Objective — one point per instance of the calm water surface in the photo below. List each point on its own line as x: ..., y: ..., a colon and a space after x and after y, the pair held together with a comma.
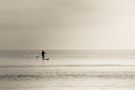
x: 68, y: 78
x: 66, y: 72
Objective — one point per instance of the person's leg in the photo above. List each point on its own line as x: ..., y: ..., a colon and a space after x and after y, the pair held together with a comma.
x: 43, y: 57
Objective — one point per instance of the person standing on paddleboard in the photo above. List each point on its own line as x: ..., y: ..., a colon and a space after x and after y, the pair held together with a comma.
x: 43, y: 55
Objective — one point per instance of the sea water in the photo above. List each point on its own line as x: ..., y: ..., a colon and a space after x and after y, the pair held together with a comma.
x: 24, y: 70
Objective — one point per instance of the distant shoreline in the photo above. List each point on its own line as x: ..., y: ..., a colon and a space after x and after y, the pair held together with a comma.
x: 89, y: 65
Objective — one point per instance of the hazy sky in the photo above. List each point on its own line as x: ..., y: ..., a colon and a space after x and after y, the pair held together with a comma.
x: 67, y: 24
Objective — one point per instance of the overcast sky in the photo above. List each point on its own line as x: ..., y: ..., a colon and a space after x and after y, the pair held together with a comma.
x: 67, y: 24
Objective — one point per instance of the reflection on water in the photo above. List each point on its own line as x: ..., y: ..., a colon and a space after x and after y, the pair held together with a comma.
x: 80, y: 71
x: 68, y: 77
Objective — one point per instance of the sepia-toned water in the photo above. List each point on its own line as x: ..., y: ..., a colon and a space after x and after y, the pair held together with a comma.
x: 66, y: 72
